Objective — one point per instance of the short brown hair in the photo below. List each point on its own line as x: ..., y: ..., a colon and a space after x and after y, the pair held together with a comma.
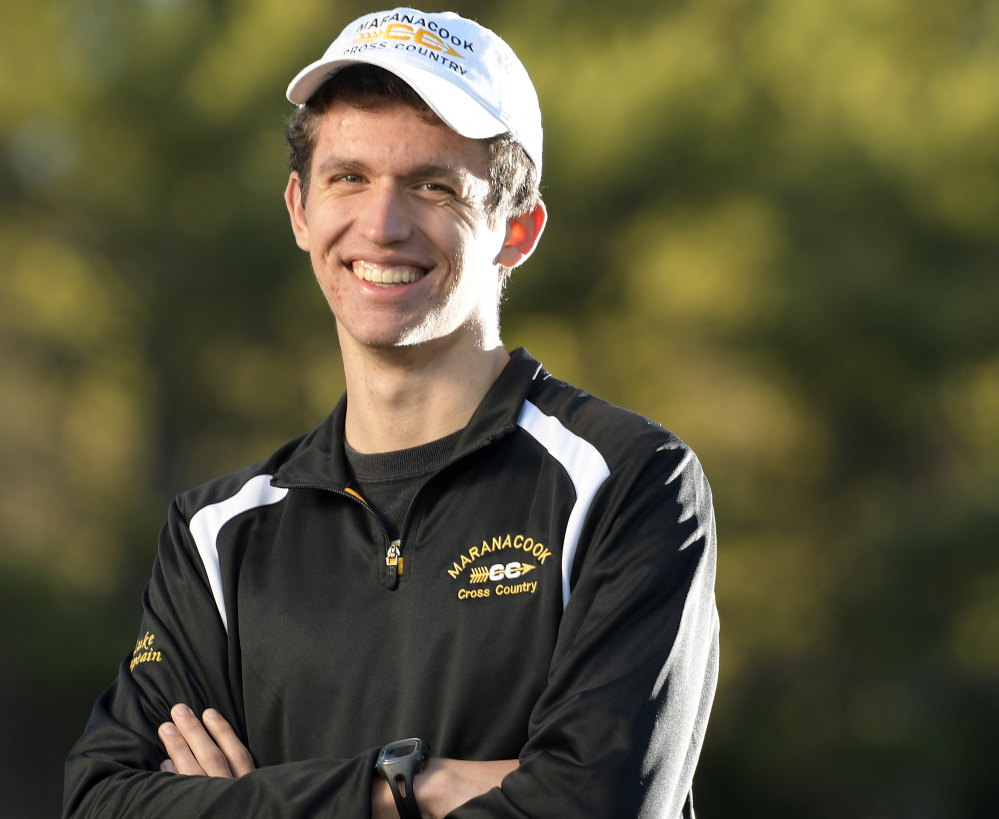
x: 513, y: 179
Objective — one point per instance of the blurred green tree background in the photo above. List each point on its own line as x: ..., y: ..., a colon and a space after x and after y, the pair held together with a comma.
x: 774, y: 229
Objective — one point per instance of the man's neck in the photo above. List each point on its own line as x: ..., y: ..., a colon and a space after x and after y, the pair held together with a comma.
x: 402, y: 398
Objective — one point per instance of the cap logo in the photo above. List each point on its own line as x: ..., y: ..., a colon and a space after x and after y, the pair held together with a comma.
x: 410, y: 32
x: 403, y: 33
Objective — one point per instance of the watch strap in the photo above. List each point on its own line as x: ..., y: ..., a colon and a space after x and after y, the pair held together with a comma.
x: 406, y: 805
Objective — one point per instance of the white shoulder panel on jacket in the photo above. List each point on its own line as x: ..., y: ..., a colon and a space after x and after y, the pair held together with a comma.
x: 586, y: 467
x: 208, y: 522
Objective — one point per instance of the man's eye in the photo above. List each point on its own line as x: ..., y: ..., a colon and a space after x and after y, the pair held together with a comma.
x: 437, y: 187
x: 346, y: 179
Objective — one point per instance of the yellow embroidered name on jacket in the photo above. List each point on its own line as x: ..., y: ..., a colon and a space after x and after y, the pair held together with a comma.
x: 499, y: 543
x: 144, y: 652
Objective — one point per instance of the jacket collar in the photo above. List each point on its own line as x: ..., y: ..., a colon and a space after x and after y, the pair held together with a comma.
x: 319, y: 461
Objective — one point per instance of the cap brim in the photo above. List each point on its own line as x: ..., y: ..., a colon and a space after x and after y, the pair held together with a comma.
x: 459, y: 109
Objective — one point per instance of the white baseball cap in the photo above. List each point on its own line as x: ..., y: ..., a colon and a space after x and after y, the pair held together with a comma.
x: 466, y: 73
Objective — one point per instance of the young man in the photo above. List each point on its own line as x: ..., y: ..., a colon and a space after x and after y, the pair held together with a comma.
x: 468, y: 555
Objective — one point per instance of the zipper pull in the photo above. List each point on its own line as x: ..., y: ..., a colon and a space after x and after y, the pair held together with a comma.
x: 393, y: 563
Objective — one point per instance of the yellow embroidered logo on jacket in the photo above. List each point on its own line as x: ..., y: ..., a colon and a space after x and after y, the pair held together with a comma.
x: 144, y: 652
x: 504, y: 564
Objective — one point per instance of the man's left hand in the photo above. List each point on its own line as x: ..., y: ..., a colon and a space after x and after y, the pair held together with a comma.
x: 198, y: 752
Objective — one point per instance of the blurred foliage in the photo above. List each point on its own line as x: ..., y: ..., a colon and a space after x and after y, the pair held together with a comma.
x: 774, y: 229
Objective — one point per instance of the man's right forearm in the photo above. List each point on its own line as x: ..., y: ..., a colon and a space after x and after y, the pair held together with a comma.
x: 443, y: 785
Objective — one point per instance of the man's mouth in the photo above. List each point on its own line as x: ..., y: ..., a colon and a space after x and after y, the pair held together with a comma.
x: 387, y: 275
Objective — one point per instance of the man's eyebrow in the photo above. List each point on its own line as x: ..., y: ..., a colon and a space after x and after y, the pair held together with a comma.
x: 456, y: 173
x: 334, y: 163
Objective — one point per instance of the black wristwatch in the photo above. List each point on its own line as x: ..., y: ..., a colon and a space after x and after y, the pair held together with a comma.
x: 403, y: 759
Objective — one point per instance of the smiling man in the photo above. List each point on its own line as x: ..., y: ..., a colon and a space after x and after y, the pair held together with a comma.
x: 474, y: 590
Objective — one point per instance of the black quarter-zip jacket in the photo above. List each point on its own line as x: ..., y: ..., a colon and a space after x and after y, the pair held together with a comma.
x: 555, y: 604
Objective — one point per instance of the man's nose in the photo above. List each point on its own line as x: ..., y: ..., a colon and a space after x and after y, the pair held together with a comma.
x: 384, y: 219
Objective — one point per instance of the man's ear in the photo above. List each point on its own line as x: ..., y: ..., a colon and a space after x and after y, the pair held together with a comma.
x: 522, y: 235
x: 296, y: 210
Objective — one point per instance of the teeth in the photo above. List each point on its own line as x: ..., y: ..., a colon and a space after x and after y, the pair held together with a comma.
x: 376, y: 274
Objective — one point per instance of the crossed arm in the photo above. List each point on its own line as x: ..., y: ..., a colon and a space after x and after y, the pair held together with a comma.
x: 211, y: 748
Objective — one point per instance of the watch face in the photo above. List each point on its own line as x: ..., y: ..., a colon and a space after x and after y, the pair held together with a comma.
x: 398, y: 750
